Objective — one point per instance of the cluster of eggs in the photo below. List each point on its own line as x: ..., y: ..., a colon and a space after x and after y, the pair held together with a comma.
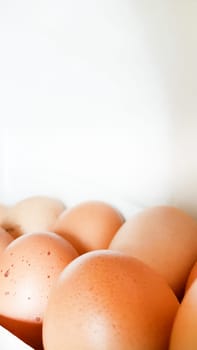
x: 85, y: 278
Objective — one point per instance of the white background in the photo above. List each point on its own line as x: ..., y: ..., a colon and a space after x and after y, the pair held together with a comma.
x: 98, y: 100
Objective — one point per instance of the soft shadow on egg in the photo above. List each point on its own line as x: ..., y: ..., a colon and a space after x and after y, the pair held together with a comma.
x: 192, y: 277
x: 5, y: 239
x: 8, y: 341
x: 184, y: 331
x: 29, y: 332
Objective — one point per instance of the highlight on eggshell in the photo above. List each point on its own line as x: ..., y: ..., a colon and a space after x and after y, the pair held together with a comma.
x: 29, y: 267
x: 32, y: 214
x: 165, y: 238
x: 107, y: 300
x: 184, y: 334
x: 89, y: 225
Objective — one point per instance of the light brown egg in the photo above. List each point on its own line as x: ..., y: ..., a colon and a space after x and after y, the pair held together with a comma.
x: 192, y: 277
x: 5, y: 239
x: 32, y: 214
x: 107, y: 300
x: 165, y: 238
x: 29, y: 267
x: 89, y: 225
x: 3, y: 212
x: 184, y: 334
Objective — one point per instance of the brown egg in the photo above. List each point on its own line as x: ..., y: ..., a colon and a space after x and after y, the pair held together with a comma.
x: 184, y: 335
x: 89, y: 225
x: 192, y: 277
x: 107, y: 300
x: 29, y: 266
x: 5, y: 239
x: 32, y: 214
x: 165, y: 238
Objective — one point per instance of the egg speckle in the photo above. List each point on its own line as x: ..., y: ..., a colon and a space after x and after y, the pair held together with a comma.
x: 6, y: 274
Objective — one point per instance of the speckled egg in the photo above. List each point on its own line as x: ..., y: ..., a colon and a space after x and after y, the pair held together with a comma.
x: 107, y: 300
x: 29, y: 266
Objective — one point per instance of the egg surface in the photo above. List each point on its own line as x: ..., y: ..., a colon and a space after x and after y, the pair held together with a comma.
x: 29, y: 266
x: 89, y: 225
x: 107, y: 300
x: 192, y: 277
x: 184, y: 334
x: 5, y: 239
x: 3, y: 212
x: 165, y: 238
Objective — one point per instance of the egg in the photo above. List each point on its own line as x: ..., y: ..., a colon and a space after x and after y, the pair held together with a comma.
x: 192, y: 277
x: 29, y: 267
x: 163, y: 237
x: 184, y: 335
x: 3, y: 212
x: 107, y: 300
x: 89, y: 225
x: 5, y: 239
x: 32, y: 214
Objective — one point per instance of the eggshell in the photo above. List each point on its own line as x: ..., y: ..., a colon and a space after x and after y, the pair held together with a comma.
x: 107, y: 300
x: 32, y: 214
x: 192, y: 277
x: 29, y: 267
x: 165, y: 238
x: 5, y: 239
x: 89, y: 225
x: 184, y: 334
